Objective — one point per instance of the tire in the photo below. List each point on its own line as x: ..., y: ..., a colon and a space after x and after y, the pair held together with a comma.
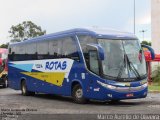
x: 77, y: 94
x: 5, y: 83
x: 24, y: 90
x: 2, y: 67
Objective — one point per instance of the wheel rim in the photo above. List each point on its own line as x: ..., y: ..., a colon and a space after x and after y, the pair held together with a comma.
x: 6, y: 83
x: 79, y: 93
x: 23, y: 89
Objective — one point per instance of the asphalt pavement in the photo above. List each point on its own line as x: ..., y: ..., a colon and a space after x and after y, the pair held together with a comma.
x: 14, y: 106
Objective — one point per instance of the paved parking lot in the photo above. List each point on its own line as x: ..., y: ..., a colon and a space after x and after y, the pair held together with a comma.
x: 14, y: 105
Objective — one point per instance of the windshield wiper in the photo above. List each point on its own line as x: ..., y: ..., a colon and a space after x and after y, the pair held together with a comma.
x: 132, y: 67
x: 122, y: 68
x: 129, y: 65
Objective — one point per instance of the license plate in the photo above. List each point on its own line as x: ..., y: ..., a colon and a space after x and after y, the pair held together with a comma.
x: 130, y: 95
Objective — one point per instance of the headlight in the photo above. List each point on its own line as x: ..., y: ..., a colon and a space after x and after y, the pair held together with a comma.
x: 145, y: 85
x: 123, y: 89
x: 144, y: 81
x: 106, y: 85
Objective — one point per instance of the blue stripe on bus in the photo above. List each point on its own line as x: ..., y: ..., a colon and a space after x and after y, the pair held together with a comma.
x: 25, y: 67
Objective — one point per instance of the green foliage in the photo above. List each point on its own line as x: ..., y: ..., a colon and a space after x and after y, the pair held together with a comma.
x: 146, y: 43
x: 156, y: 76
x: 154, y: 87
x: 15, y: 40
x: 4, y: 45
x: 24, y: 31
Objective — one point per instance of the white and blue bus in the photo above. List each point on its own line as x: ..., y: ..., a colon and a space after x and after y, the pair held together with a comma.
x: 82, y: 63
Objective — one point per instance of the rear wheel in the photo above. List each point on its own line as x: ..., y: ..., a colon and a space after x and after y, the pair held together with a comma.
x: 24, y: 90
x: 77, y: 94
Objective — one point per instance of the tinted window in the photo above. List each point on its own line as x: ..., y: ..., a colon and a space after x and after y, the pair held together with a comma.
x: 55, y: 47
x: 93, y: 60
x: 31, y: 48
x: 84, y: 40
x: 42, y: 47
x: 20, y: 49
x: 23, y: 52
x: 14, y: 49
x: 10, y: 50
x: 69, y: 48
x: 42, y: 50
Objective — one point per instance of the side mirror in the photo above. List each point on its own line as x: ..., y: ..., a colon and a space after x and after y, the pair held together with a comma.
x: 150, y: 49
x: 99, y: 49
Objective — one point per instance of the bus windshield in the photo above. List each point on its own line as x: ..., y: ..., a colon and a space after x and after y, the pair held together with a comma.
x: 124, y: 59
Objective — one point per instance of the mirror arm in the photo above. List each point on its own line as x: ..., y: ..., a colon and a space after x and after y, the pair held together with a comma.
x: 150, y: 49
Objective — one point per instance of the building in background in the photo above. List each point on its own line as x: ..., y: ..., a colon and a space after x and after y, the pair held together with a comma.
x: 155, y: 18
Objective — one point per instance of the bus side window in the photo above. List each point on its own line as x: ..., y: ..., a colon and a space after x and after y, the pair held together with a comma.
x: 55, y: 48
x: 19, y: 51
x: 42, y: 50
x: 69, y: 49
x: 31, y: 49
x: 10, y: 50
x: 11, y: 56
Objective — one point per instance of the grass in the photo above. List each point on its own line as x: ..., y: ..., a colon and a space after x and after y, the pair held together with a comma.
x: 156, y: 75
x: 154, y: 88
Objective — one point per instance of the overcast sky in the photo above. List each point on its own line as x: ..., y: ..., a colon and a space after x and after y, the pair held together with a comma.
x: 58, y: 15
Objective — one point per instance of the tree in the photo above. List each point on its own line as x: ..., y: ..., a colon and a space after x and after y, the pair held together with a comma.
x: 146, y: 43
x: 4, y: 45
x: 24, y: 31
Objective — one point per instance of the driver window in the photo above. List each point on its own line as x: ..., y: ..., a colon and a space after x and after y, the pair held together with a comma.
x: 93, y: 61
x: 84, y: 40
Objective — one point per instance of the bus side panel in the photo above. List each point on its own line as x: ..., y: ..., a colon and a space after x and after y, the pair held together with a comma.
x: 65, y: 88
x: 79, y: 75
x: 35, y: 82
x: 75, y: 74
x: 13, y: 77
x: 94, y: 91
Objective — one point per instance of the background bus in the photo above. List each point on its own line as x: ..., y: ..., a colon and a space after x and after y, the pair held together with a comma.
x: 3, y: 67
x: 82, y: 63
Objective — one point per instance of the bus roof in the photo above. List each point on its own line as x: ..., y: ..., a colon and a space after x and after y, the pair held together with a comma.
x: 98, y: 33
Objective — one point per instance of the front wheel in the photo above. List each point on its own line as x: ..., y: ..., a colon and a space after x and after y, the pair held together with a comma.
x: 77, y: 94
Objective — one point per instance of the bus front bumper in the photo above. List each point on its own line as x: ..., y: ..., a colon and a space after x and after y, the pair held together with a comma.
x: 109, y: 92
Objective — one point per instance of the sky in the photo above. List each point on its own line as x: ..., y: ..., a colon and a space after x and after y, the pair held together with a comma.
x: 59, y: 15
